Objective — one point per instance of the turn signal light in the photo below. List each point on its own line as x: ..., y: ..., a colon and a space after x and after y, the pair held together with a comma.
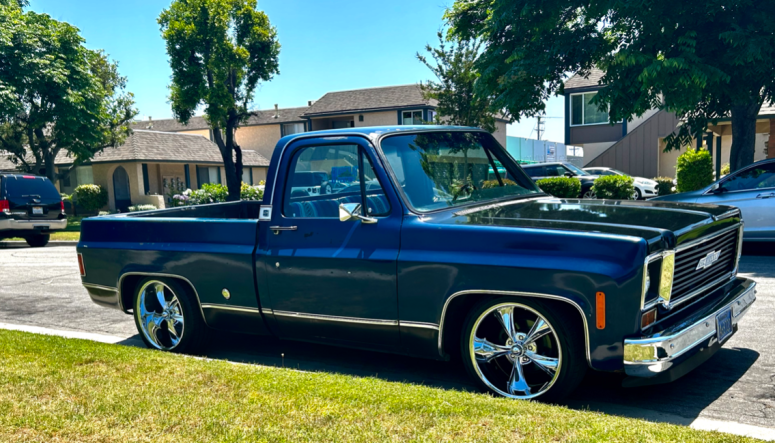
x: 600, y: 310
x: 81, y: 268
x: 648, y: 318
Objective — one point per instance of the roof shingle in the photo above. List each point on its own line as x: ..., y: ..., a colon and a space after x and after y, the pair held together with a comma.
x: 357, y: 100
x: 577, y: 81
x: 266, y: 117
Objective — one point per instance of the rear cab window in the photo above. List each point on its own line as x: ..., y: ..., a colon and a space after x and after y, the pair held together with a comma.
x: 30, y: 186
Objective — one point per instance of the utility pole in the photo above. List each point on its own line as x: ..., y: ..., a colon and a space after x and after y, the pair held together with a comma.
x: 539, y: 127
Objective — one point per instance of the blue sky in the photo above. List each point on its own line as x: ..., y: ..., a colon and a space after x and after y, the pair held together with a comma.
x: 327, y: 45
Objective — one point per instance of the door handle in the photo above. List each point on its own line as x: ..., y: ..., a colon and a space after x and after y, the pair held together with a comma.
x: 276, y: 229
x: 771, y: 194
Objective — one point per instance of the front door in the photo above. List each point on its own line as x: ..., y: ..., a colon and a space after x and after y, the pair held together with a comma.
x: 331, y: 280
x: 121, y: 189
x: 753, y: 191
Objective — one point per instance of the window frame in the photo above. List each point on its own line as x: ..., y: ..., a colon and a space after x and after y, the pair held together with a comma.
x: 361, y: 151
x: 570, y: 111
x: 283, y: 132
x: 412, y: 111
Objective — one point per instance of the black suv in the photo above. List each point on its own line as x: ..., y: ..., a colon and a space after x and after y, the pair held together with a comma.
x: 30, y: 208
x: 560, y: 169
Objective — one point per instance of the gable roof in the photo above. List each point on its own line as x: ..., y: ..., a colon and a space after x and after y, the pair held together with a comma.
x: 369, y: 99
x: 266, y: 117
x: 577, y: 81
x: 157, y: 146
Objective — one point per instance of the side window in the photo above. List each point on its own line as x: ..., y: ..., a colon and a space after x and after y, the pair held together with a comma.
x: 758, y: 177
x: 555, y: 171
x: 537, y: 171
x: 320, y: 178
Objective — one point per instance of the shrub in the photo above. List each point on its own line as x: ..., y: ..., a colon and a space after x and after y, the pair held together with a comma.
x: 725, y: 169
x: 139, y: 208
x: 561, y: 187
x: 664, y: 185
x: 694, y: 170
x: 616, y: 187
x: 248, y: 192
x: 489, y: 184
x: 90, y: 197
x: 101, y: 213
x: 208, y: 193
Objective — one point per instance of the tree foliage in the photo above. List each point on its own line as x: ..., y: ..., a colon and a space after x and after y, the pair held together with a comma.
x: 454, y: 90
x: 219, y: 51
x: 56, y: 95
x: 703, y: 60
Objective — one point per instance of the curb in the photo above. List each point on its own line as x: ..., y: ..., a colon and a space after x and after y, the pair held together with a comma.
x: 51, y: 243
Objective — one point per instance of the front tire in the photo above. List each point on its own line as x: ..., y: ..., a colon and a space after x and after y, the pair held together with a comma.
x: 589, y: 193
x: 167, y: 316
x: 521, y: 349
x: 636, y: 195
x: 38, y: 241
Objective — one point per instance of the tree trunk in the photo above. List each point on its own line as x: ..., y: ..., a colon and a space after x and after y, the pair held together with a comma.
x: 233, y: 181
x: 743, y: 135
x: 49, y: 158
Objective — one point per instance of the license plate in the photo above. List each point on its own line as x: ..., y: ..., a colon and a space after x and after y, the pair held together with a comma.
x: 724, y: 324
x: 37, y: 210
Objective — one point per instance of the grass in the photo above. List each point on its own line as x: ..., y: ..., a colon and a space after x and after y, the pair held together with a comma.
x: 72, y: 232
x: 56, y: 389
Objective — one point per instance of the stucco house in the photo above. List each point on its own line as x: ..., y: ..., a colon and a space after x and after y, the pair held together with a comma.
x: 390, y: 105
x: 636, y: 145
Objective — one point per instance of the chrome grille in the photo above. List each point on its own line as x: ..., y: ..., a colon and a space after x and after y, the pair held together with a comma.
x: 688, y: 278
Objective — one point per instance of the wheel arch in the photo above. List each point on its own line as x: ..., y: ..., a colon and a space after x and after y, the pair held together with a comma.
x: 128, y: 281
x: 458, y: 305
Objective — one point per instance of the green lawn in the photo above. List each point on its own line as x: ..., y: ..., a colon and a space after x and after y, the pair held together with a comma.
x: 56, y: 389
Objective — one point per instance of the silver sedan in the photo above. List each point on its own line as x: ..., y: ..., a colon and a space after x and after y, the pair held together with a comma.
x: 752, y: 189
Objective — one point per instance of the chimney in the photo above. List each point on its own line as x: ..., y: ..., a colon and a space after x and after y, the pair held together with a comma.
x: 276, y: 112
x: 150, y: 123
x: 310, y: 102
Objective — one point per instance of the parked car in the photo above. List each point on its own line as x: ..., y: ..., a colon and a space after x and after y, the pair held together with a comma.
x: 561, y: 169
x: 752, y: 189
x: 529, y: 291
x: 644, y: 187
x: 30, y: 208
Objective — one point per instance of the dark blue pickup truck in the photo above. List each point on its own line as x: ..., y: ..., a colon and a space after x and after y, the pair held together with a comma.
x: 431, y: 241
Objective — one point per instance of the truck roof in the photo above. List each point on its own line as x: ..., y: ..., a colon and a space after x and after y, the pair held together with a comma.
x: 375, y: 131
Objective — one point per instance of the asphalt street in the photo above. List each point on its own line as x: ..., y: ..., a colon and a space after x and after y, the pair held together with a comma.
x: 41, y: 287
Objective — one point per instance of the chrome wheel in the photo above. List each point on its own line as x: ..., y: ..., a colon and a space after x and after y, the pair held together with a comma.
x: 590, y: 194
x: 160, y: 315
x: 515, y: 351
x: 636, y: 194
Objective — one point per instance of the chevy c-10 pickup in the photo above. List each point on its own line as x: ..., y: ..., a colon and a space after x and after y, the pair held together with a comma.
x: 431, y: 241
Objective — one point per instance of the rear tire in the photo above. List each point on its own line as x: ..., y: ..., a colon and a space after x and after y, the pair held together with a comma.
x: 38, y: 241
x: 544, y: 360
x: 168, y: 317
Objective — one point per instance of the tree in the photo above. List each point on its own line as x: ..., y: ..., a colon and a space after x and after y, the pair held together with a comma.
x: 219, y: 51
x: 454, y: 90
x: 703, y: 60
x: 55, y: 94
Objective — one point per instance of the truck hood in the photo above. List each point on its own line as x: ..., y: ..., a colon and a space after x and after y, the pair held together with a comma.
x: 648, y: 220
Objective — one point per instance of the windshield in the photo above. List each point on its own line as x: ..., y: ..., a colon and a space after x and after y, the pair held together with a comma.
x: 576, y: 170
x: 439, y: 170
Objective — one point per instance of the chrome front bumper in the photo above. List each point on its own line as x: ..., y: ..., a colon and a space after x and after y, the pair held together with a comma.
x: 653, y: 355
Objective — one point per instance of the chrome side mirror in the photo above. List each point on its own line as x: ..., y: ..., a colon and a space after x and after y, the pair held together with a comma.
x: 352, y: 211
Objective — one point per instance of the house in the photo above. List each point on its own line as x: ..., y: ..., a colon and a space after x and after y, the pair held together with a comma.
x: 636, y: 145
x: 391, y: 105
x: 149, y: 165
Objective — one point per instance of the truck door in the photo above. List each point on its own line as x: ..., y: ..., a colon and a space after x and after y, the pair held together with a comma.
x: 328, y: 279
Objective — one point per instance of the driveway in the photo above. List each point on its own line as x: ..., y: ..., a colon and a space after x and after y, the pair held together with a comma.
x: 41, y: 287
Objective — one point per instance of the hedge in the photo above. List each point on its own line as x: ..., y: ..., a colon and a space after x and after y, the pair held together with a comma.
x: 561, y: 187
x: 664, y: 185
x: 694, y: 170
x: 616, y: 187
x: 90, y: 197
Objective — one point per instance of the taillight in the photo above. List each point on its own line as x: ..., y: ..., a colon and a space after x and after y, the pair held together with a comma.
x: 62, y: 207
x: 5, y: 206
x: 80, y: 265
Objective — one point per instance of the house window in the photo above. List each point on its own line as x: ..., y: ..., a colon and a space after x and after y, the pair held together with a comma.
x: 585, y: 113
x: 432, y: 116
x: 411, y: 118
x: 247, y: 175
x: 208, y: 174
x: 292, y: 128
